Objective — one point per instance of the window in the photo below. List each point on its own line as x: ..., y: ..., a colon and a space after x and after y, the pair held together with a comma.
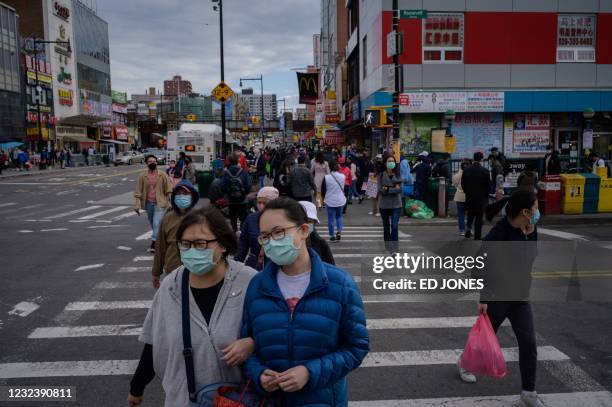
x: 443, y: 38
x: 364, y: 51
x: 576, y: 38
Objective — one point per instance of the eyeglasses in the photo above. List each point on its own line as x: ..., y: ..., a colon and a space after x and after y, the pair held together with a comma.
x: 199, y: 244
x: 276, y: 234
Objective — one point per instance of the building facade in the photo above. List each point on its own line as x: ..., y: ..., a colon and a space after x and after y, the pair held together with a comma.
x: 11, y: 91
x: 177, y: 86
x: 253, y: 103
x: 519, y: 75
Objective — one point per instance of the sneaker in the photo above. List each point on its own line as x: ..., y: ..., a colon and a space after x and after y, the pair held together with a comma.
x: 332, y: 239
x: 377, y: 214
x: 462, y: 233
x: 370, y: 213
x: 468, y: 234
x: 152, y: 248
x: 360, y: 199
x: 464, y: 374
x: 338, y: 236
x: 530, y: 399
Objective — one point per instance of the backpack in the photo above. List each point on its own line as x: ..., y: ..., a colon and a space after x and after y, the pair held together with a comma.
x: 235, y: 191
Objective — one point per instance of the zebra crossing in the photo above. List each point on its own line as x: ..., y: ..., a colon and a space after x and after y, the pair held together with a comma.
x: 66, y: 214
x: 410, y: 342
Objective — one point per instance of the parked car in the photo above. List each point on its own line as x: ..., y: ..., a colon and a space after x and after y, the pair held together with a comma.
x: 158, y: 153
x: 129, y: 158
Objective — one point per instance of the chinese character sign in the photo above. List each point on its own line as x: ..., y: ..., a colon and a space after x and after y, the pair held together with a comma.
x: 443, y: 30
x: 531, y: 133
x: 576, y: 31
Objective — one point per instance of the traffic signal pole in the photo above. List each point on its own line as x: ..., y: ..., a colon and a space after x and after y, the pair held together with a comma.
x: 397, y: 67
x: 223, y: 141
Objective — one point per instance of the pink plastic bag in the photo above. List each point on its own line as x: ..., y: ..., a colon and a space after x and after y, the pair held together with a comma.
x: 482, y: 354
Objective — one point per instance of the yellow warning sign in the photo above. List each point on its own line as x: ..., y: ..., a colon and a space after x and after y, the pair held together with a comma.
x: 222, y: 92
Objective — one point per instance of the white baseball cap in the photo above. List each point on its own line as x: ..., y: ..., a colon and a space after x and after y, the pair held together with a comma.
x: 311, y: 210
x: 424, y: 154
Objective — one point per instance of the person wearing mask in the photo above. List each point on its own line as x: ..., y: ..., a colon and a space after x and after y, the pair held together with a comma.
x: 405, y: 172
x: 390, y: 203
x: 315, y: 241
x: 353, y: 192
x: 552, y: 164
x: 179, y: 167
x: 167, y: 259
x: 460, y: 196
x: 301, y: 181
x: 320, y: 168
x: 422, y: 172
x: 214, y: 286
x: 507, y: 282
x: 189, y: 172
x: 236, y: 185
x: 152, y: 193
x: 249, y: 247
x: 346, y: 171
x: 499, y: 156
x: 596, y: 162
x: 260, y: 168
x: 372, y: 184
x: 528, y: 178
x: 476, y: 183
x: 281, y: 178
x: 305, y: 316
x: 332, y: 190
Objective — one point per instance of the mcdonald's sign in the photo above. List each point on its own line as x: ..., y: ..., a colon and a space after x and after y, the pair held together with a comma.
x: 308, y: 85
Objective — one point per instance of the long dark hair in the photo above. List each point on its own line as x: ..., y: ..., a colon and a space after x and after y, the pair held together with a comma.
x: 293, y: 210
x: 217, y: 223
x: 320, y: 158
x: 514, y: 204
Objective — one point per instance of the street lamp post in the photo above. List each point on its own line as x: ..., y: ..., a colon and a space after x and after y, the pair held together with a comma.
x: 285, y: 123
x: 261, y: 122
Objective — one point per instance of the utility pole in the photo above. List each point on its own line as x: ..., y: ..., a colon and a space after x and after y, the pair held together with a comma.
x: 397, y: 72
x: 223, y: 141
x: 263, y: 116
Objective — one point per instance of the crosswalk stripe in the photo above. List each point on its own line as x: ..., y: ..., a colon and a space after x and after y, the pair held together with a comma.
x: 588, y: 398
x: 562, y: 235
x: 74, y: 212
x: 143, y: 258
x: 133, y: 269
x: 13, y: 210
x: 56, y: 332
x: 145, y: 236
x: 123, y: 216
x: 68, y: 368
x: 350, y: 239
x: 423, y: 323
x: 7, y: 204
x: 106, y: 212
x: 111, y: 285
x: 366, y: 255
x: 448, y: 357
x: 107, y: 305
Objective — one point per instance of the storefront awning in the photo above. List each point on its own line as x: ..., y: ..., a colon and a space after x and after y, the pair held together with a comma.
x: 113, y: 141
x: 79, y: 139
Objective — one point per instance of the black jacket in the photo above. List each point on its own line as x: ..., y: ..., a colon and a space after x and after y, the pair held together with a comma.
x: 319, y: 245
x: 553, y: 164
x: 441, y: 169
x: 476, y: 183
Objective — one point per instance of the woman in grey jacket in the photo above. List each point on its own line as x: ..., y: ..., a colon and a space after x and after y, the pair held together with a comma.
x: 390, y: 202
x: 216, y: 296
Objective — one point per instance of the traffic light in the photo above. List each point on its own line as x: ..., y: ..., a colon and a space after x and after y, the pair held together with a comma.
x: 375, y: 118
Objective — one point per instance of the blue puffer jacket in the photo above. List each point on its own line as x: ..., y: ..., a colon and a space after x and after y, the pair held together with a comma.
x: 327, y: 333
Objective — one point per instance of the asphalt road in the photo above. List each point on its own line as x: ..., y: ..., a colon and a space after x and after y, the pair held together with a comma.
x: 77, y: 289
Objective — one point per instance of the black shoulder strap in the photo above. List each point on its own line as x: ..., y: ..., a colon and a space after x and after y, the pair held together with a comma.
x: 187, y: 349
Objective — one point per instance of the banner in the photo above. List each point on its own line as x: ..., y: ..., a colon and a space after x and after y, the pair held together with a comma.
x: 308, y: 86
x: 476, y: 132
x: 531, y: 133
x: 431, y: 102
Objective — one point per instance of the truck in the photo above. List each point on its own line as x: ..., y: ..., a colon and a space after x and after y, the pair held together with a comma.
x: 200, y: 141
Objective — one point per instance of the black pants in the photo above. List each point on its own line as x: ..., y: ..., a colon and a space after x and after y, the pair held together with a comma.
x: 303, y: 198
x: 346, y: 195
x: 236, y: 212
x: 521, y: 318
x: 475, y: 219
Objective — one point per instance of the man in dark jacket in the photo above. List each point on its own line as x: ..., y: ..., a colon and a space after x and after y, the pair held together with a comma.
x: 301, y: 181
x: 260, y: 167
x: 422, y: 172
x: 442, y: 167
x: 499, y: 156
x: 236, y: 185
x: 552, y: 164
x: 476, y: 183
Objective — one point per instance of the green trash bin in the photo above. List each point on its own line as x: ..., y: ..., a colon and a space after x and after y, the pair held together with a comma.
x: 204, y: 179
x: 431, y: 197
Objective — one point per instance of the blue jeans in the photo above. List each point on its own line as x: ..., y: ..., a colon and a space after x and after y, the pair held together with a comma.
x: 461, y: 216
x: 353, y: 190
x: 261, y: 179
x: 390, y: 219
x: 334, y: 214
x: 155, y: 216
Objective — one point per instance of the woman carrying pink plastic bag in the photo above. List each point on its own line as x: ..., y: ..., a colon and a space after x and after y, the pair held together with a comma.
x: 507, y: 283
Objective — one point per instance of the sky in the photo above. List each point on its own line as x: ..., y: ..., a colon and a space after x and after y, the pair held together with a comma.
x: 152, y: 40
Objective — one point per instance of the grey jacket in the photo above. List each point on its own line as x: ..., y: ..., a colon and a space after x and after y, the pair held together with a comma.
x: 162, y: 329
x: 301, y: 181
x: 391, y: 199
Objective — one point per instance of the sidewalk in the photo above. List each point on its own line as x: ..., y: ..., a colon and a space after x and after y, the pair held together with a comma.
x: 13, y: 173
x: 357, y: 215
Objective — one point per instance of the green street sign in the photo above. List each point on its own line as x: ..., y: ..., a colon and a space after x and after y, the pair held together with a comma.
x: 413, y: 13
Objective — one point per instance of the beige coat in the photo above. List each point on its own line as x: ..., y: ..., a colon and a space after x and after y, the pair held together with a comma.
x: 163, y: 190
x: 459, y: 194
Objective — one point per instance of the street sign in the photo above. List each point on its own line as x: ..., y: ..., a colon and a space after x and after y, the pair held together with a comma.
x: 413, y: 14
x: 393, y: 46
x: 222, y: 92
x: 191, y: 117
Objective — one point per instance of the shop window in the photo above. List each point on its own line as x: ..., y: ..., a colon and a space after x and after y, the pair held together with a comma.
x: 576, y: 38
x: 443, y: 38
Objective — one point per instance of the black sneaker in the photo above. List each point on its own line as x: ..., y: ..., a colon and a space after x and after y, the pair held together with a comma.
x: 338, y: 237
x: 468, y: 234
x: 332, y: 239
x: 152, y: 248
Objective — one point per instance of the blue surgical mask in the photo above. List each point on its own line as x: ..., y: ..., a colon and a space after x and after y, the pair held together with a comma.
x: 391, y: 165
x: 198, y: 262
x: 183, y: 201
x: 283, y: 251
x: 535, y: 218
x: 310, y: 228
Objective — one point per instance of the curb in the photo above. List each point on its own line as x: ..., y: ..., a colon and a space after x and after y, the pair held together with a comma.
x: 47, y: 172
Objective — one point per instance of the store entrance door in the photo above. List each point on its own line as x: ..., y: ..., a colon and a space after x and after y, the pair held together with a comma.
x: 567, y: 140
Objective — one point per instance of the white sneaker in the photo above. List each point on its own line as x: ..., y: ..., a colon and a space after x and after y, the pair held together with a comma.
x: 370, y: 213
x: 530, y: 399
x: 464, y: 374
x: 377, y: 214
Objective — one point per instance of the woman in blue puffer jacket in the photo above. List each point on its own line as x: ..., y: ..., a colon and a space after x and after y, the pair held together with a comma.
x: 305, y: 316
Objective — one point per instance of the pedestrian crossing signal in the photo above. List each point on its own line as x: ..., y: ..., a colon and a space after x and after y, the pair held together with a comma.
x: 375, y: 118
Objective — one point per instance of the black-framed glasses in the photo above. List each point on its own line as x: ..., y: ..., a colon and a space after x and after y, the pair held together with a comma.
x: 200, y: 244
x: 276, y: 234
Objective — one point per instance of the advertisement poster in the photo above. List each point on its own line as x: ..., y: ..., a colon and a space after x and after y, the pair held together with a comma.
x: 531, y: 133
x: 427, y: 102
x: 415, y: 132
x: 508, y: 133
x: 477, y: 132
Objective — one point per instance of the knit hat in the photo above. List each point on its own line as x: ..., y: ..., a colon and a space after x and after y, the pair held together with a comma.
x: 268, y: 193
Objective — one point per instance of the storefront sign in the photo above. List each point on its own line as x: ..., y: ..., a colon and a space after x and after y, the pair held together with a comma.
x: 65, y: 97
x: 334, y: 137
x: 430, y: 102
x: 121, y: 133
x: 36, y: 134
x: 576, y: 31
x: 41, y: 77
x: 508, y: 133
x: 70, y: 131
x: 61, y: 11
x: 120, y: 108
x: 64, y: 77
x: 531, y: 133
x: 476, y: 132
x: 119, y: 97
x: 587, y: 139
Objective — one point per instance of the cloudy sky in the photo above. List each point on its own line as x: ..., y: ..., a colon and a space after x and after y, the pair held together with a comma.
x: 151, y: 40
